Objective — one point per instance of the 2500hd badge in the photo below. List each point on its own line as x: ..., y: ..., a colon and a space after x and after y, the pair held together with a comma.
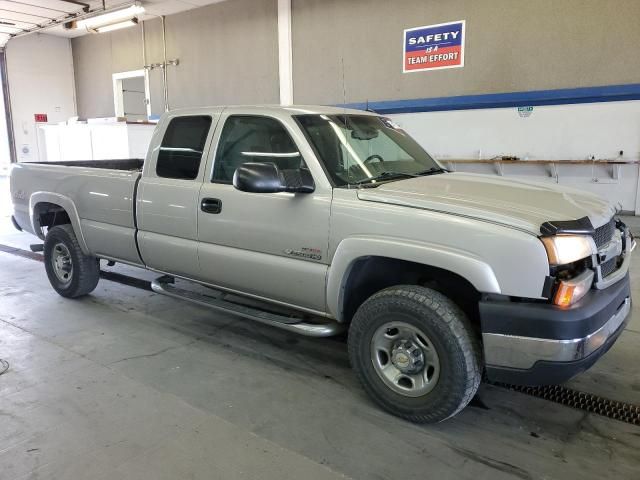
x: 304, y: 252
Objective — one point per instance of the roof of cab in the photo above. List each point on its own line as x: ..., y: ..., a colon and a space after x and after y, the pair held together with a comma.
x: 275, y: 110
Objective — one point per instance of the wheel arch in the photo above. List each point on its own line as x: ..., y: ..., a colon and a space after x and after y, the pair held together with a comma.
x: 41, y: 204
x: 355, y: 275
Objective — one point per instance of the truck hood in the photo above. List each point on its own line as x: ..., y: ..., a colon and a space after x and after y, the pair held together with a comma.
x: 514, y: 203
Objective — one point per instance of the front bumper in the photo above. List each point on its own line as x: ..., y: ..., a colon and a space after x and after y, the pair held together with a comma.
x: 538, y: 343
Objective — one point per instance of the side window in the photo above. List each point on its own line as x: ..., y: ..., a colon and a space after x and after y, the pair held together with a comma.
x: 246, y: 138
x: 182, y: 146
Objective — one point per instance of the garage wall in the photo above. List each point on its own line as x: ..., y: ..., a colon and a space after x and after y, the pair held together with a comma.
x: 95, y: 59
x: 550, y: 132
x: 511, y: 45
x: 43, y: 64
x: 228, y: 54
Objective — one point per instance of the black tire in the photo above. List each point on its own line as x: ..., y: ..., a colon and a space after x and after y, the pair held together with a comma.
x: 84, y: 269
x: 448, y: 331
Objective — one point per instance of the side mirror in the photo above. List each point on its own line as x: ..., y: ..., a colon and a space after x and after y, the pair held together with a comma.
x: 268, y: 178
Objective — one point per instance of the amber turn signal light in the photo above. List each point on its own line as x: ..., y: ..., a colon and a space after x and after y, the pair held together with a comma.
x: 570, y: 291
x: 564, y: 295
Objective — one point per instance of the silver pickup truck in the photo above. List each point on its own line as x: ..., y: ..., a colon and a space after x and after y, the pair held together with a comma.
x: 318, y: 219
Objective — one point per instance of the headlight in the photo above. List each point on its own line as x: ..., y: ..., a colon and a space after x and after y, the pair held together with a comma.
x: 563, y: 249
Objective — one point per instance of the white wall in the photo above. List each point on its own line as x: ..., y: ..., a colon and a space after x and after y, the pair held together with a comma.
x: 562, y: 132
x: 40, y: 71
x: 557, y: 132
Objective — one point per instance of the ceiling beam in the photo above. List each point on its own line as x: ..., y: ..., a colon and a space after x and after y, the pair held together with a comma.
x: 36, y: 6
x: 6, y: 20
x: 28, y: 14
x: 85, y: 6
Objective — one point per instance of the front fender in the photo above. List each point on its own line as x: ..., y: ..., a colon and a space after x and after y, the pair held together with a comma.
x: 462, y: 263
x: 64, y: 202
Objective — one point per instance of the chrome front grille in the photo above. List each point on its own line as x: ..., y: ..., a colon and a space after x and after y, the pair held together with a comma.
x: 609, y: 248
x: 603, y: 234
x: 608, y: 267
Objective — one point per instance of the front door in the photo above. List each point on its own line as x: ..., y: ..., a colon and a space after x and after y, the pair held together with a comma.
x: 266, y: 245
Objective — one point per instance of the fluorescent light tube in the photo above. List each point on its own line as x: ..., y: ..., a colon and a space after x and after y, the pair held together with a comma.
x: 116, y: 26
x: 110, y: 18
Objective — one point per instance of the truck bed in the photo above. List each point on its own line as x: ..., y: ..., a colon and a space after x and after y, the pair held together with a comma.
x: 97, y: 195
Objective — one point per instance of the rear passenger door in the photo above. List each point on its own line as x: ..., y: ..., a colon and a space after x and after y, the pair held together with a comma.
x: 271, y: 245
x: 167, y: 200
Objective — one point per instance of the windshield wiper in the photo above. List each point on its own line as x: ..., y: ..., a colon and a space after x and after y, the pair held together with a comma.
x: 431, y: 171
x: 385, y: 176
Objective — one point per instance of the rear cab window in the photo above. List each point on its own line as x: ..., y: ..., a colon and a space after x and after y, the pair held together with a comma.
x: 182, y: 147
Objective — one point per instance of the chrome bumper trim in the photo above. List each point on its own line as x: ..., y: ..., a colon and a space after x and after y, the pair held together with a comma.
x: 513, y: 351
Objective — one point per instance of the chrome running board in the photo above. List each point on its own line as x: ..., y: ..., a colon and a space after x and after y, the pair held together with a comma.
x: 164, y: 285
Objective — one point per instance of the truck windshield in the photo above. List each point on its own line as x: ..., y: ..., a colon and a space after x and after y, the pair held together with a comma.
x: 365, y: 149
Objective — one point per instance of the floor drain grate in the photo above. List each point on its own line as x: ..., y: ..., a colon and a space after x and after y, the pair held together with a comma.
x: 624, y: 412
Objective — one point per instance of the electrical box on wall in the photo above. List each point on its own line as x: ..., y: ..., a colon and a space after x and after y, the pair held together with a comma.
x: 24, y: 152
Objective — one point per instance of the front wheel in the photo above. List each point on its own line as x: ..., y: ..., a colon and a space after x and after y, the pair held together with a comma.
x: 71, y: 272
x: 415, y: 353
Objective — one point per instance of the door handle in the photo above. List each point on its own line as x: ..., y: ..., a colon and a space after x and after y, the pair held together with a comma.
x: 211, y: 205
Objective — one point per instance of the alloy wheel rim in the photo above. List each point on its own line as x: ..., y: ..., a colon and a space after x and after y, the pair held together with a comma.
x: 405, y: 359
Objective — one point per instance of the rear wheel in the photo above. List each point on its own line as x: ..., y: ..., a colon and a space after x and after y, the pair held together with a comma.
x: 415, y: 353
x: 71, y: 272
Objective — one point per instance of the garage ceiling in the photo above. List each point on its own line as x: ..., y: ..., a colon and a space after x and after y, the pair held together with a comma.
x: 18, y: 17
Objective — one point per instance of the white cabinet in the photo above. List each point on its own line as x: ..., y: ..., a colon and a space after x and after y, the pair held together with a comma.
x: 107, y: 141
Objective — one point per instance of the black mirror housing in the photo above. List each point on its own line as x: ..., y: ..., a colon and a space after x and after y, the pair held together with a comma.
x: 298, y: 180
x: 257, y: 177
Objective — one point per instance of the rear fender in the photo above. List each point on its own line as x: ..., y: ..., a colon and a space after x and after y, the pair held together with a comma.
x: 62, y: 201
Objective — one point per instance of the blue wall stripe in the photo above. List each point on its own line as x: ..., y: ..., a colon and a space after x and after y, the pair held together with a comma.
x: 564, y: 96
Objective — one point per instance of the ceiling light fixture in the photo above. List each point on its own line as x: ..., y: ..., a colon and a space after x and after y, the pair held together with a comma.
x: 115, y: 20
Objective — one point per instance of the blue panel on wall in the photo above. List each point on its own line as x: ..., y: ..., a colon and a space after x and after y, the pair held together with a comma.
x: 609, y: 93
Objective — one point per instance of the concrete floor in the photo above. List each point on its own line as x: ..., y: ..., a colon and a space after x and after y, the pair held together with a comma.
x: 127, y: 384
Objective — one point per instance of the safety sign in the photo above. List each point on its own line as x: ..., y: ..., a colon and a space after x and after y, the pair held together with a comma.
x: 433, y: 47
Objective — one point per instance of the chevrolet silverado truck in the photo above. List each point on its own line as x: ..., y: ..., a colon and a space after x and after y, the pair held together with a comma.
x: 320, y: 219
